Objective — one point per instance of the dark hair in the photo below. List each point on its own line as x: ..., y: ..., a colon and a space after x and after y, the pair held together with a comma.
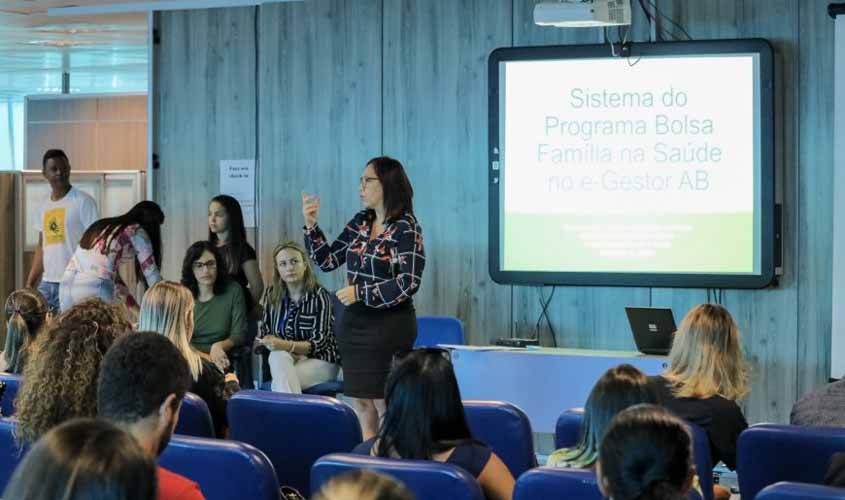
x: 60, y: 381
x: 236, y: 246
x: 364, y: 484
x: 53, y: 154
x: 646, y: 454
x: 137, y: 374
x: 26, y: 314
x: 397, y: 191
x: 193, y: 253
x: 85, y: 459
x: 147, y: 214
x: 618, y: 388
x: 424, y: 413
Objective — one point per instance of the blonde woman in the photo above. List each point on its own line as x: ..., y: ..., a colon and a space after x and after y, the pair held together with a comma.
x: 27, y: 312
x: 364, y: 484
x: 297, y: 326
x: 707, y: 374
x: 168, y: 309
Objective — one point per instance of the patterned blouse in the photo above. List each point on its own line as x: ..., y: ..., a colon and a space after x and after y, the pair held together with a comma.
x: 386, y: 270
x: 103, y: 262
x: 309, y: 320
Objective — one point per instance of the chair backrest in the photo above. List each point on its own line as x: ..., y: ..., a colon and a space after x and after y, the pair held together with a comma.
x: 504, y: 428
x: 10, y: 454
x: 223, y: 469
x: 433, y: 330
x: 548, y: 482
x: 7, y: 403
x: 194, y: 418
x: 568, y: 431
x: 294, y: 430
x: 769, y: 453
x: 800, y: 491
x: 425, y: 478
x: 568, y: 428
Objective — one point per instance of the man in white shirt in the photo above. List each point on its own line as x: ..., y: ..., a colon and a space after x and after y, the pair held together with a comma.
x: 62, y: 219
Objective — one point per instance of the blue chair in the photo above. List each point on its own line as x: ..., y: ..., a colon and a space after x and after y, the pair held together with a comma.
x: 294, y: 430
x: 799, y: 491
x: 548, y: 482
x: 504, y: 428
x: 223, y: 469
x: 7, y: 404
x: 10, y: 454
x: 194, y: 418
x: 568, y: 432
x: 425, y: 478
x: 770, y: 453
x: 434, y: 330
x: 568, y: 428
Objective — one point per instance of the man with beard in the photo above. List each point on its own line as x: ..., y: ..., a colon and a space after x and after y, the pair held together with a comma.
x: 143, y: 378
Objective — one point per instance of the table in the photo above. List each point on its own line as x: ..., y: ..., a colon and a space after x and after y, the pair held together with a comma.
x: 543, y: 382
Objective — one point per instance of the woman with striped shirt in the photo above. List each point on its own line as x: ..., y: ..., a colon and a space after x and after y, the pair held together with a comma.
x: 297, y: 326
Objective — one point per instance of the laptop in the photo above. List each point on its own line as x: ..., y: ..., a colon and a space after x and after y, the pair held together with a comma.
x: 653, y: 329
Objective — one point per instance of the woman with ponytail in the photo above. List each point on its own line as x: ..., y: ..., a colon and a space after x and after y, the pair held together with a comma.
x: 26, y: 314
x: 646, y: 454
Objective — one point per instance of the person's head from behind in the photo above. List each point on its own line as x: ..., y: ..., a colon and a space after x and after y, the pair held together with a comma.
x: 706, y: 357
x: 204, y: 266
x: 384, y: 184
x: 26, y: 314
x: 142, y: 381
x: 84, y: 459
x: 168, y: 309
x: 291, y: 268
x: 617, y: 389
x: 60, y: 380
x: 646, y: 454
x: 55, y: 167
x: 364, y: 484
x: 424, y: 413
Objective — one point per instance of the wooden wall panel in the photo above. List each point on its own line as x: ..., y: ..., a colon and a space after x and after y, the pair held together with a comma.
x: 408, y: 78
x: 8, y: 214
x: 815, y: 193
x: 204, y: 102
x: 320, y: 118
x: 122, y: 146
x: 435, y: 122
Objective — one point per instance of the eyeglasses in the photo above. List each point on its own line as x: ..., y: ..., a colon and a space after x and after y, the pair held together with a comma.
x: 399, y: 356
x: 365, y: 181
x: 211, y: 264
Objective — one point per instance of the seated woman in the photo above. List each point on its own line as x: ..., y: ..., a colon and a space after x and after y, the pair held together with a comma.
x: 93, y: 269
x: 85, y: 459
x: 219, y: 312
x: 646, y: 455
x: 707, y: 374
x: 425, y: 420
x: 298, y: 324
x: 27, y: 312
x: 60, y: 381
x: 168, y: 308
x: 617, y: 389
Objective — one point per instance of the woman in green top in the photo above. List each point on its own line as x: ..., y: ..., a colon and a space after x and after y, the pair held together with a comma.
x: 219, y: 308
x: 617, y: 389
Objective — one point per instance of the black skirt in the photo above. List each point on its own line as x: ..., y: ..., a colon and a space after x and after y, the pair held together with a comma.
x: 367, y: 338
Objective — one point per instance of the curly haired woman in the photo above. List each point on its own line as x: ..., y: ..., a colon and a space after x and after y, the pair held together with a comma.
x: 61, y: 381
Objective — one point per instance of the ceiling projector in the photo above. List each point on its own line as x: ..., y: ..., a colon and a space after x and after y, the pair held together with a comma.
x: 583, y: 13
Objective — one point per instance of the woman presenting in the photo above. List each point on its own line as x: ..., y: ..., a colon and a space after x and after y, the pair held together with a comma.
x: 382, y: 247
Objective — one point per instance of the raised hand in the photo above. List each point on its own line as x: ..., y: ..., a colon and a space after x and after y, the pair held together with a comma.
x: 310, y: 209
